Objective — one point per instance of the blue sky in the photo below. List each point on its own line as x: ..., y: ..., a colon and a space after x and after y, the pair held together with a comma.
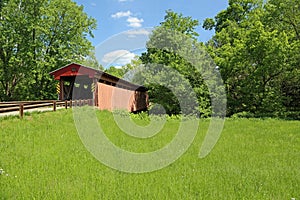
x: 124, y: 25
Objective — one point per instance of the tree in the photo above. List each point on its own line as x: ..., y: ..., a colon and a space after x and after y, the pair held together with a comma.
x: 284, y: 16
x: 126, y: 70
x: 91, y: 61
x: 36, y: 37
x: 255, y: 53
x: 175, y: 66
x: 118, y: 72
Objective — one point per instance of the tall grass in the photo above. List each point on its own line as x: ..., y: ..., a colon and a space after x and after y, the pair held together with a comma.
x: 42, y: 157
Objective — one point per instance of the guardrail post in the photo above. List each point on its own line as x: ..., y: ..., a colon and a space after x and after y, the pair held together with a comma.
x: 66, y: 104
x: 54, y: 105
x: 21, y: 110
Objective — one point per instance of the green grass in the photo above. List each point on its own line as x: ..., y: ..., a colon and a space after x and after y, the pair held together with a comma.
x: 44, y: 158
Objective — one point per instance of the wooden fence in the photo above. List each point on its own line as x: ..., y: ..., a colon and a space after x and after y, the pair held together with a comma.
x: 21, y: 106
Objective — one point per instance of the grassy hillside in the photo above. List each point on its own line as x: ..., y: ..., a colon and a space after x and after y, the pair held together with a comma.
x: 43, y: 158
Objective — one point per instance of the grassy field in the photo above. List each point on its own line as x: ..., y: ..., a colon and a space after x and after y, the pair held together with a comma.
x: 42, y: 157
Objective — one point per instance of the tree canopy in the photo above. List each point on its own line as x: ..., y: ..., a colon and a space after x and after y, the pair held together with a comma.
x: 256, y: 46
x: 36, y: 37
x: 176, y: 69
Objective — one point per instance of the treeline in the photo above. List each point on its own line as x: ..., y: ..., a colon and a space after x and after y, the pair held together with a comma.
x: 255, y: 48
x: 36, y: 37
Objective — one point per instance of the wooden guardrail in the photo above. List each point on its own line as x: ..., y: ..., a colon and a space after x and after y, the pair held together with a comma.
x: 21, y: 106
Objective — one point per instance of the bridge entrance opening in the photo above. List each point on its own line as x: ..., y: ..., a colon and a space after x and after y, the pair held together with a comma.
x: 77, y: 87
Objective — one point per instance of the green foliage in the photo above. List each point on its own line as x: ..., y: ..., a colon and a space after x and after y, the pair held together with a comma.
x: 176, y: 69
x: 243, y: 114
x: 118, y: 72
x: 125, y: 70
x: 43, y: 157
x: 256, y: 46
x: 178, y: 23
x: 37, y: 37
x: 208, y: 24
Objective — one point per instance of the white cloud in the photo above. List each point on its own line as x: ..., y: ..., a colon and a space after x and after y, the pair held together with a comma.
x: 124, y: 0
x: 118, y: 57
x: 138, y: 32
x: 121, y: 14
x: 134, y: 22
x: 93, y: 4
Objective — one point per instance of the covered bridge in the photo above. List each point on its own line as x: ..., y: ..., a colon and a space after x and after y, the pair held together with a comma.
x: 107, y: 92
